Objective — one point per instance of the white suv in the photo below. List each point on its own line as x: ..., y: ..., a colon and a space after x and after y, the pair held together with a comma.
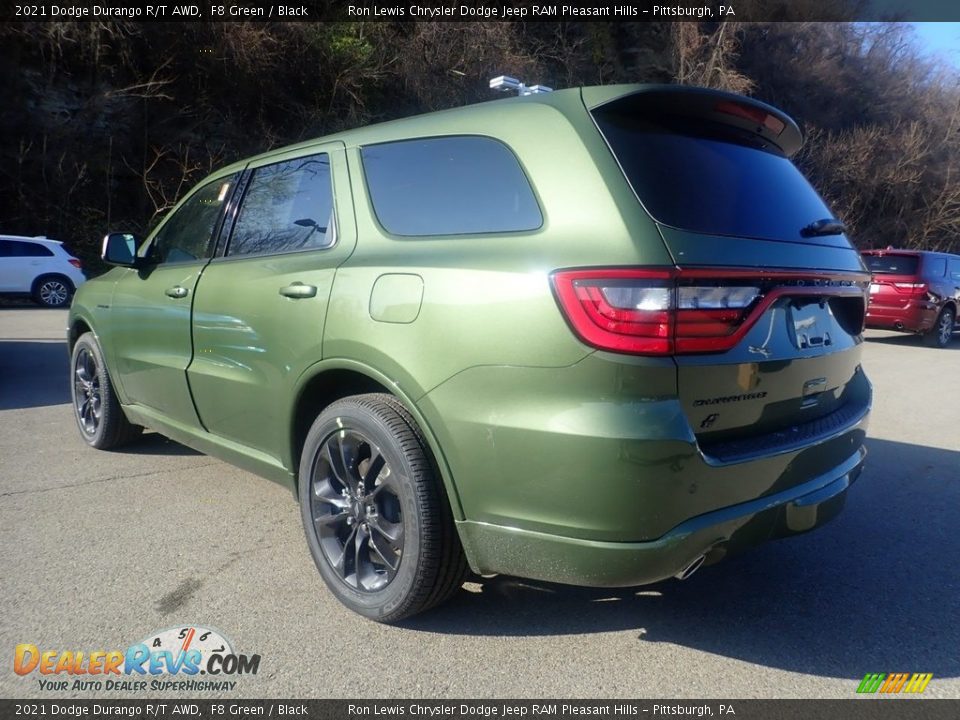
x: 39, y: 267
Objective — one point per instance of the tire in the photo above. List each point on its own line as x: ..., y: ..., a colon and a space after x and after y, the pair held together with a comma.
x: 95, y: 405
x: 941, y: 333
x: 52, y: 291
x: 374, y: 510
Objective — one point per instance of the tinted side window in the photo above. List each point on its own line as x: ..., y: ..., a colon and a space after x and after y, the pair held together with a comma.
x: 287, y: 207
x: 449, y: 186
x: 186, y: 235
x: 15, y: 248
x: 935, y: 267
x: 955, y: 269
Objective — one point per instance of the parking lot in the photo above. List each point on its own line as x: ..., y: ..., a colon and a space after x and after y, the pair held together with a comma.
x: 99, y: 550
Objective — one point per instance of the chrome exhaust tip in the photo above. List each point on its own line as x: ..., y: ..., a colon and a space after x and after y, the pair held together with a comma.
x: 898, y: 325
x: 691, y: 568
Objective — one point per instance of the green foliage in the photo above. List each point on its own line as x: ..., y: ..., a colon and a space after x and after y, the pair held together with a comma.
x: 347, y: 45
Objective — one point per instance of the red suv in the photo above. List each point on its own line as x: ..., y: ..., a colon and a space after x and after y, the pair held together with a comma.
x: 914, y: 291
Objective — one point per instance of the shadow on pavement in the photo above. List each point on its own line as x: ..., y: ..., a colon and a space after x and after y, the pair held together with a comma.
x: 33, y: 373
x: 909, y: 340
x: 876, y: 590
x: 156, y: 444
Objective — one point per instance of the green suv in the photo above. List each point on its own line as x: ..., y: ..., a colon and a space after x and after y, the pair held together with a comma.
x: 600, y: 336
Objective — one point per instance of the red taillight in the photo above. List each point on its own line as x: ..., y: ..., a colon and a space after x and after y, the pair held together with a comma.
x: 75, y: 263
x: 620, y: 310
x: 911, y: 288
x: 668, y: 311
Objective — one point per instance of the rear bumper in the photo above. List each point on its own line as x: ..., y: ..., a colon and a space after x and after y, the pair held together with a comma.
x: 591, y: 474
x: 716, y: 534
x: 915, y: 317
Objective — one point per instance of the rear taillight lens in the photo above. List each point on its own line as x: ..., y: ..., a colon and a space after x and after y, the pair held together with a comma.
x: 670, y: 311
x: 706, y: 313
x: 911, y: 288
x: 621, y: 310
x: 76, y: 263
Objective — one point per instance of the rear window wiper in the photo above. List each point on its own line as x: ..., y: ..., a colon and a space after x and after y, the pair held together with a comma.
x: 827, y: 226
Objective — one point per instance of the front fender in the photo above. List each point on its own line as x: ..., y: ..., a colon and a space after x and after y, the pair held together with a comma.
x: 91, y: 309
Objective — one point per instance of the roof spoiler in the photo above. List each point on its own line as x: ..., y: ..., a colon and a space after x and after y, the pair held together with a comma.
x: 731, y: 109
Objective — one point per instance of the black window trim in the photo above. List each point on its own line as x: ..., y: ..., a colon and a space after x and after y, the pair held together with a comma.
x: 225, y: 231
x: 225, y: 237
x: 492, y: 233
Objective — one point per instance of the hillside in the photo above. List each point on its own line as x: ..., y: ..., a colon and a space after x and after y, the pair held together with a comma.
x: 107, y: 124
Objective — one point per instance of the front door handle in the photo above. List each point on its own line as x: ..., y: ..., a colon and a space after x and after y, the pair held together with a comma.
x: 176, y: 292
x: 298, y: 290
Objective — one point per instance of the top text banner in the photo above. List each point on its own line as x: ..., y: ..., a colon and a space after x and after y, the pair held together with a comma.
x: 472, y: 10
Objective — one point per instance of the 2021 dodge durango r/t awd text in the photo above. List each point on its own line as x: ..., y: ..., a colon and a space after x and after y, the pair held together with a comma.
x: 599, y: 337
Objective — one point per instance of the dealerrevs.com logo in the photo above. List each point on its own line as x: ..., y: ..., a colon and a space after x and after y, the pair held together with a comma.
x: 171, y: 659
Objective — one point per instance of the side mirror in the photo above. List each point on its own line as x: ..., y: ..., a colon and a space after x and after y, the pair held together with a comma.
x: 121, y: 249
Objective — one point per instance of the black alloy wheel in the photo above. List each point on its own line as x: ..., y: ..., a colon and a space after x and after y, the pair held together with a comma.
x: 87, y: 397
x: 356, y: 511
x: 942, y: 331
x: 375, y: 510
x: 96, y: 407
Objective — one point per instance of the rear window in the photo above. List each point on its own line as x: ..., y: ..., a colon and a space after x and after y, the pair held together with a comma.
x: 708, y: 178
x: 892, y: 264
x: 449, y: 186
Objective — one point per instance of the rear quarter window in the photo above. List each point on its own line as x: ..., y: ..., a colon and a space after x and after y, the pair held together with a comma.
x: 449, y: 186
x: 935, y: 267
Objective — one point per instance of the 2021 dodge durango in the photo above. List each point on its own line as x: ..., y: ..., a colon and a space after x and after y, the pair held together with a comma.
x: 600, y: 336
x: 914, y: 291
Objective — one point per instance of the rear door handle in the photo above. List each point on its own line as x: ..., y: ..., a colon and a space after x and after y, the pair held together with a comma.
x: 176, y: 292
x: 298, y: 290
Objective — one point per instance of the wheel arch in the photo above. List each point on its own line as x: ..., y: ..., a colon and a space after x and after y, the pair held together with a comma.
x: 80, y: 322
x: 332, y: 380
x: 78, y: 326
x: 54, y: 274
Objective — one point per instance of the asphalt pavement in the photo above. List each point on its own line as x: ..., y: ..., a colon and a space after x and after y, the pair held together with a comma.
x: 99, y: 550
